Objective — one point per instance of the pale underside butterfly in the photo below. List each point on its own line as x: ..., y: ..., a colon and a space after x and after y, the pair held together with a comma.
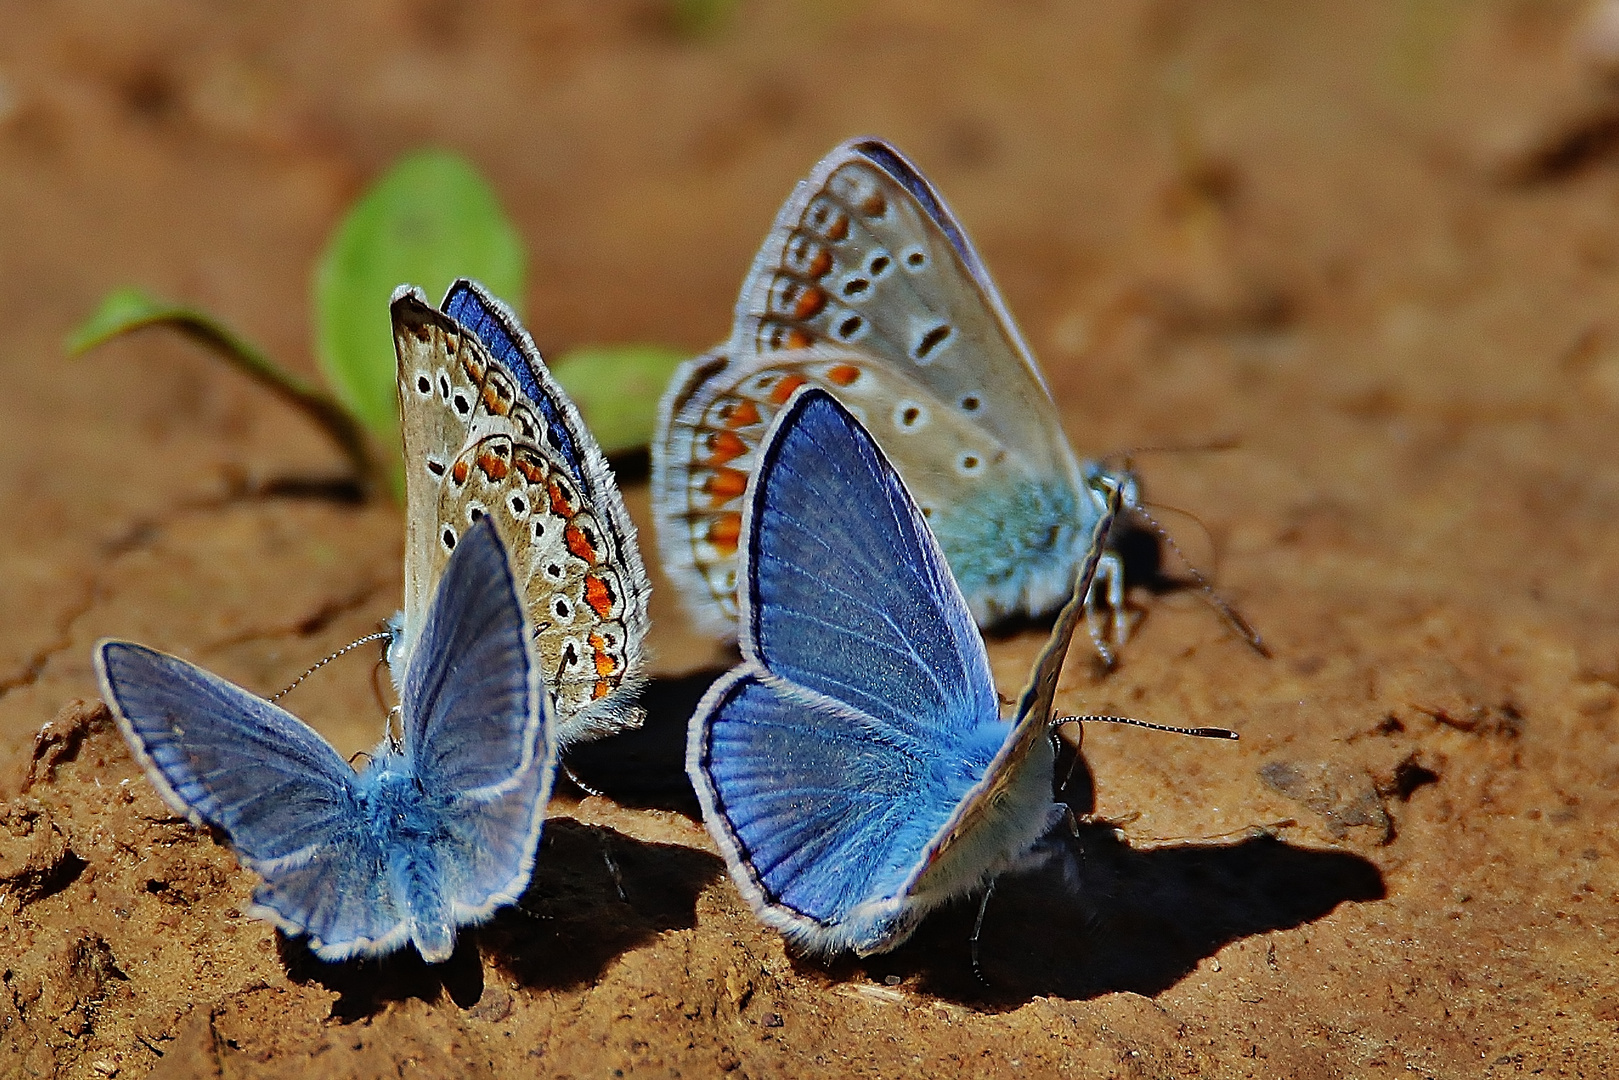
x: 439, y: 829
x: 868, y: 288
x: 489, y: 434
x: 855, y: 770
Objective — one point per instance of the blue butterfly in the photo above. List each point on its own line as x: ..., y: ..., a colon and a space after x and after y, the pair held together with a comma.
x: 855, y: 769
x: 438, y: 830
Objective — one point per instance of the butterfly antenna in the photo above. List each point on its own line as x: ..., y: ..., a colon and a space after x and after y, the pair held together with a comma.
x: 1229, y: 442
x: 1199, y: 732
x: 351, y: 646
x: 1244, y: 629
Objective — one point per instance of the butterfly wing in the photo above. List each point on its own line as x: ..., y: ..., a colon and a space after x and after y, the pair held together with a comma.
x: 437, y: 390
x: 864, y: 709
x: 866, y: 262
x: 1007, y: 528
x: 278, y: 791
x: 478, y: 730
x: 526, y: 458
x: 866, y: 255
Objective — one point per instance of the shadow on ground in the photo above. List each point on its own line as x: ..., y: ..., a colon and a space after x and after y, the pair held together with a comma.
x: 646, y: 768
x: 1102, y: 918
x: 595, y: 895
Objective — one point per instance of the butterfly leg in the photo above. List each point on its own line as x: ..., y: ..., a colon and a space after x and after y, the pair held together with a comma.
x: 1108, y: 584
x: 978, y: 928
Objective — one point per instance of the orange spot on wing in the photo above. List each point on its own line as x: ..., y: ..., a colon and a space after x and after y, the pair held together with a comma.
x: 820, y: 265
x: 725, y: 484
x: 494, y: 402
x: 532, y: 468
x: 784, y: 389
x: 492, y: 465
x: 810, y: 302
x: 601, y: 689
x: 724, y: 446
x: 843, y: 374
x: 738, y: 414
x: 458, y: 471
x: 874, y: 205
x: 725, y: 531
x: 579, y: 543
x: 838, y: 229
x: 606, y: 662
x: 559, y: 505
x: 598, y: 596
x: 799, y: 338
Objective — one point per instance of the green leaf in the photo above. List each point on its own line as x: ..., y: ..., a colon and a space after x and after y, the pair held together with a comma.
x: 702, y: 18
x: 617, y: 388
x: 121, y: 311
x: 125, y: 310
x: 430, y: 220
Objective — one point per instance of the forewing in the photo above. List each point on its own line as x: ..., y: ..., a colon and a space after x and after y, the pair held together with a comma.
x: 472, y: 701
x: 226, y: 758
x: 478, y: 726
x: 438, y: 385
x: 597, y: 659
x: 847, y: 594
x: 866, y: 255
x: 278, y: 791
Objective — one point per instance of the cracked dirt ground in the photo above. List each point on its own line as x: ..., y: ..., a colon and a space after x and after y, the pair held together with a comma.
x: 1376, y: 245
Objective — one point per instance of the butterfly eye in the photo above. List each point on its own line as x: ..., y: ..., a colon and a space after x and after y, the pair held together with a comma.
x: 447, y: 538
x: 539, y: 529
x: 554, y: 572
x: 969, y: 463
x: 879, y: 264
x: 970, y: 403
x: 474, y: 512
x: 915, y: 259
x: 462, y: 405
x: 849, y: 328
x: 927, y: 511
x: 436, y: 467
x: 562, y: 608
x: 424, y: 385
x: 855, y: 287
x: 444, y: 386
x: 518, y: 504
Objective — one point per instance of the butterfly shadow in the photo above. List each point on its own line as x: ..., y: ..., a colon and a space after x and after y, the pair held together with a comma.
x: 1100, y: 917
x: 646, y: 768
x: 1094, y: 916
x: 595, y: 895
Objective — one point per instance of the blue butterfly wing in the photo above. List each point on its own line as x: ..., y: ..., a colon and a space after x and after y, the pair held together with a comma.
x: 822, y: 810
x: 282, y: 796
x: 847, y: 594
x: 478, y: 725
x: 865, y: 712
x: 497, y: 327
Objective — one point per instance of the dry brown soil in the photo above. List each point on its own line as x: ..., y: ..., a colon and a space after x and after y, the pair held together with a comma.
x: 1374, y: 244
